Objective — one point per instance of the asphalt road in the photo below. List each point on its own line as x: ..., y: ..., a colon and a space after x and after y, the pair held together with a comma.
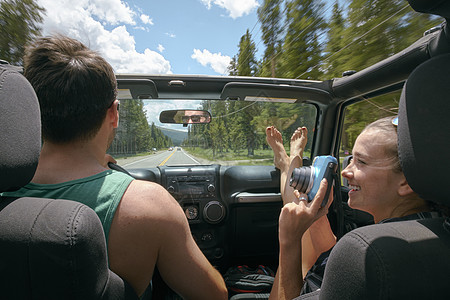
x: 160, y: 158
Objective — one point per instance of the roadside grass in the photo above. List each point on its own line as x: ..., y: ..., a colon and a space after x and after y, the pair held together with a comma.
x: 262, y: 157
x: 228, y: 155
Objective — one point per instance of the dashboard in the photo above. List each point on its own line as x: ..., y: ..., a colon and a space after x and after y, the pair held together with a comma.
x: 232, y: 210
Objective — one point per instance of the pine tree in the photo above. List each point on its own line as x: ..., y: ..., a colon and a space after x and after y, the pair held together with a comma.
x: 134, y: 134
x: 334, y: 55
x: 246, y: 62
x: 302, y: 49
x: 269, y: 16
x: 218, y: 129
x: 376, y: 30
x: 240, y: 130
x: 19, y: 24
x: 232, y: 68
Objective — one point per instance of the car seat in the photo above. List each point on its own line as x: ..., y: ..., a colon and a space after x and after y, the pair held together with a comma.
x: 408, y: 259
x: 49, y: 249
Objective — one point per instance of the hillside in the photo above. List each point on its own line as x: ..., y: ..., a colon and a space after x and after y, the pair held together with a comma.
x: 177, y: 136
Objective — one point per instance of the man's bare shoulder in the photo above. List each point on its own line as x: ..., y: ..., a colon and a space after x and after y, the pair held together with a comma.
x: 146, y: 217
x: 150, y: 200
x: 146, y: 189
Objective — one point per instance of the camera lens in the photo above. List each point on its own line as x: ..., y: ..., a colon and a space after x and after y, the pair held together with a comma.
x: 301, y: 179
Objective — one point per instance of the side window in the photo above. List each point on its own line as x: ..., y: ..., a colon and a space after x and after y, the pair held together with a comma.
x: 360, y: 114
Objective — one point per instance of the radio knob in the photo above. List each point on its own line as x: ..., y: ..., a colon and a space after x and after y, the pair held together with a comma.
x: 211, y: 188
x: 214, y: 212
x: 170, y: 189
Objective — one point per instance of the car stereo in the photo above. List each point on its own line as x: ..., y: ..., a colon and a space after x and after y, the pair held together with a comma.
x: 195, y: 186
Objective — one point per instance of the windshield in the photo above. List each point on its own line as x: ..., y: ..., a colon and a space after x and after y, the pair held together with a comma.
x: 234, y: 136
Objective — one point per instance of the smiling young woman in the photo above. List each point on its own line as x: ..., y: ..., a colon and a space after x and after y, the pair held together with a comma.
x: 377, y: 183
x: 378, y: 186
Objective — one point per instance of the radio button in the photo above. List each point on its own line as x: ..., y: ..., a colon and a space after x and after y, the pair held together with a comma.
x: 214, y: 212
x: 211, y: 188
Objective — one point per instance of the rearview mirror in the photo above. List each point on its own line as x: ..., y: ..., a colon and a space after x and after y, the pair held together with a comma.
x: 185, y: 117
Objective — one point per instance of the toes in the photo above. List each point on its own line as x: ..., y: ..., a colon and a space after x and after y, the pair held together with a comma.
x: 277, y: 132
x: 304, y: 131
x: 301, y: 131
x: 270, y: 131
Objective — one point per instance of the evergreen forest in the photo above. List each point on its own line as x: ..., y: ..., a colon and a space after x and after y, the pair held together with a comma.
x: 301, y: 39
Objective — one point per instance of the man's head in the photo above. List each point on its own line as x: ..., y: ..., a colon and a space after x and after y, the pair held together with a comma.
x: 75, y: 87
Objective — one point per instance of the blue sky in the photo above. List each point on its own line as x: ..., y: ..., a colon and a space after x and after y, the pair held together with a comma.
x: 187, y: 27
x: 158, y: 36
x: 165, y: 36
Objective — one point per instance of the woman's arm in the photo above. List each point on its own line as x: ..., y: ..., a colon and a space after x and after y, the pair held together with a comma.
x: 295, y: 219
x: 315, y: 241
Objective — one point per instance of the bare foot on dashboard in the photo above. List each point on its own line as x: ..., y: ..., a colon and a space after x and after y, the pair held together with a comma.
x: 282, y: 161
x: 275, y: 141
x: 298, y: 142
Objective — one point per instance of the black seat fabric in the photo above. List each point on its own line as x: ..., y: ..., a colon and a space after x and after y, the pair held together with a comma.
x: 49, y: 249
x: 409, y: 259
x: 20, y: 137
x: 399, y: 260
x: 55, y: 249
x: 423, y: 129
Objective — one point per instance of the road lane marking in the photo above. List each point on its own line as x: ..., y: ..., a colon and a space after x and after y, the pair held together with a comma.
x: 164, y: 161
x: 196, y: 161
x: 135, y: 162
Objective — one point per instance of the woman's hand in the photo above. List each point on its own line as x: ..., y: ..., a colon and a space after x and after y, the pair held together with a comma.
x: 296, y: 217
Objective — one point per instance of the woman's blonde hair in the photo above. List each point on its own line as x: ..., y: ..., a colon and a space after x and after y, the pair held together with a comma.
x: 386, y: 127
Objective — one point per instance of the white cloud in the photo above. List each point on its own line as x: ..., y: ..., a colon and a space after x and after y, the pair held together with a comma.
x: 161, y: 48
x: 111, y: 11
x: 142, y: 28
x: 236, y: 8
x: 207, y: 3
x: 171, y: 35
x: 119, y: 48
x: 83, y: 20
x: 146, y: 19
x: 218, y: 62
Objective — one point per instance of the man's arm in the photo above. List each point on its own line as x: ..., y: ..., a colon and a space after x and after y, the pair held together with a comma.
x: 150, y: 228
x: 184, y: 267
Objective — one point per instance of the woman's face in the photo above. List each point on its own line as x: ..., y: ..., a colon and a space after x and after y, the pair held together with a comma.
x: 373, y: 182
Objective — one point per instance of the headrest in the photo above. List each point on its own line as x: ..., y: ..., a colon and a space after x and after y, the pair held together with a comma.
x: 423, y: 129
x: 20, y: 130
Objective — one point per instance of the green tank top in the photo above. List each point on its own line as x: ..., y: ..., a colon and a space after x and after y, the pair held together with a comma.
x: 101, y: 192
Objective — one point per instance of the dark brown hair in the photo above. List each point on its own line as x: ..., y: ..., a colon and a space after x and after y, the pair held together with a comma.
x: 75, y: 87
